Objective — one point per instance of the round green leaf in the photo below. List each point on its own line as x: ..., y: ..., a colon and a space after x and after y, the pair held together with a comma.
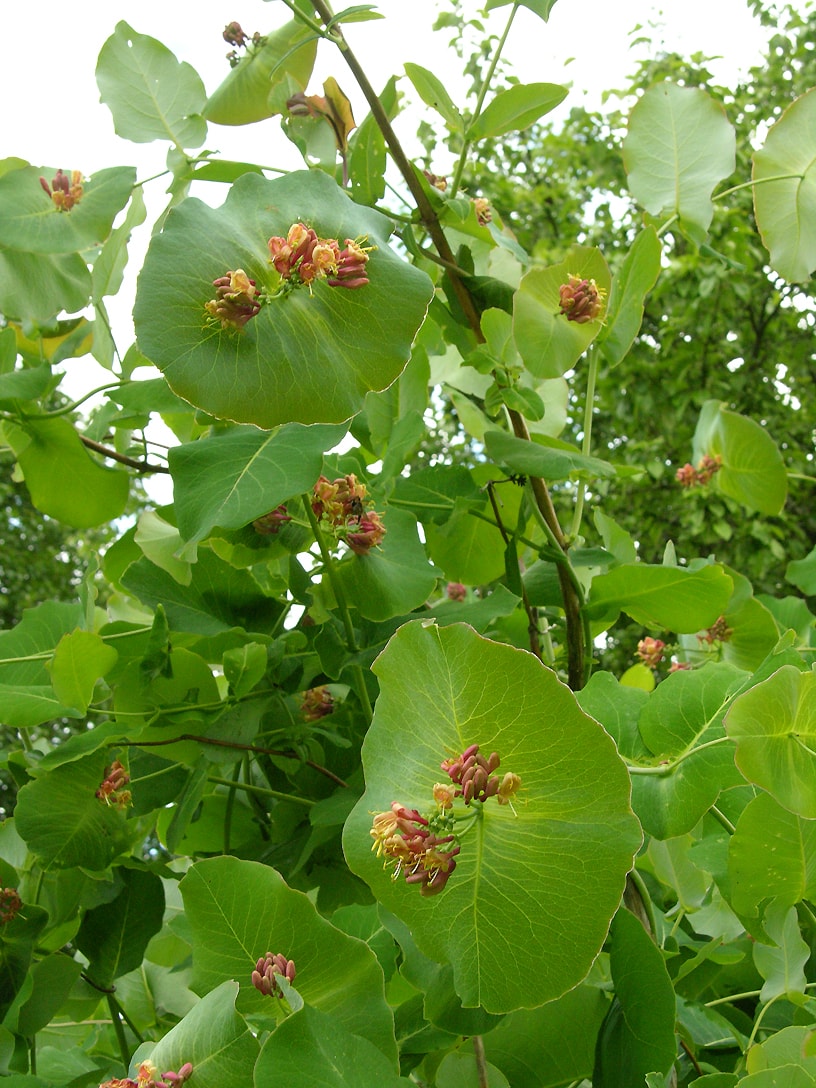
x: 679, y: 146
x: 772, y: 852
x: 30, y: 221
x: 82, y: 493
x: 80, y: 659
x: 313, y: 1050
x: 306, y: 357
x: 114, y: 936
x: 549, y: 344
x: 151, y: 94
x: 243, y: 97
x: 631, y: 284
x: 240, y: 910
x: 752, y: 469
x: 774, y: 726
x: 37, y: 286
x: 213, y: 1038
x: 570, y: 839
x: 786, y: 209
x: 674, y: 598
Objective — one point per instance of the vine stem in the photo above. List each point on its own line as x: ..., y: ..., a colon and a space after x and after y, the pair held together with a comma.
x: 261, y: 791
x: 586, y: 443
x: 667, y: 768
x: 575, y: 627
x: 466, y: 144
x: 754, y: 182
x: 123, y: 459
x: 481, y: 1061
x: 532, y: 613
x: 342, y: 605
x: 119, y: 1029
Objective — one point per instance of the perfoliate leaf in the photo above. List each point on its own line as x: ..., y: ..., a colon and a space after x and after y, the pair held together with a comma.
x: 442, y: 690
x: 786, y: 209
x: 151, y: 94
x: 308, y: 356
x: 752, y: 470
x: 679, y: 146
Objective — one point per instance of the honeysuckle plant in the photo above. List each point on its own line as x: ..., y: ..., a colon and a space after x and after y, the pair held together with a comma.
x: 345, y: 696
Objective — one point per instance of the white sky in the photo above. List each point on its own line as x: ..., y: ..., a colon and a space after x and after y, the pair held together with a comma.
x: 50, y: 111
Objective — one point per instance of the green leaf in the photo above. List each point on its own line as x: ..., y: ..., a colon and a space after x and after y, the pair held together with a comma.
x: 65, y: 824
x: 542, y: 8
x: 82, y: 493
x: 432, y: 92
x: 161, y: 543
x: 637, y: 1035
x: 53, y: 978
x: 80, y: 659
x: 458, y: 1069
x: 114, y: 936
x: 245, y: 666
x: 551, y: 1045
x: 336, y: 974
x: 752, y: 470
x: 38, y: 286
x: 18, y: 939
x: 774, y: 726
x: 772, y: 852
x: 151, y: 95
x: 314, y: 1050
x: 393, y: 578
x: 539, y: 458
x: 668, y: 597
x: 782, y: 963
x: 232, y: 478
x: 516, y: 108
x: 687, y: 709
x: 26, y: 695
x: 306, y: 357
x: 244, y: 95
x: 784, y: 1076
x: 786, y: 209
x: 214, y: 1039
x: 549, y: 344
x: 630, y: 285
x: 573, y: 804
x: 802, y: 573
x: 679, y: 146
x: 30, y: 221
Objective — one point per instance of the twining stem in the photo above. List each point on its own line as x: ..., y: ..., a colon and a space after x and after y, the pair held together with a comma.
x: 119, y: 1029
x: 532, y: 613
x: 593, y: 358
x: 722, y: 819
x: 68, y: 408
x: 261, y: 791
x: 481, y: 1061
x: 575, y: 628
x: 342, y: 607
x: 466, y: 144
x: 667, y: 768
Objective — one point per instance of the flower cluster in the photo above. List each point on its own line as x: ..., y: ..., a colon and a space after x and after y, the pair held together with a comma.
x: 146, y: 1077
x: 236, y: 300
x: 64, y: 193
x: 650, y: 651
x: 111, y: 789
x: 10, y: 903
x: 439, y: 182
x: 341, y: 502
x: 266, y: 970
x: 404, y: 836
x: 719, y: 631
x: 269, y: 524
x: 234, y: 35
x: 474, y: 776
x: 455, y: 591
x: 482, y: 208
x: 689, y: 476
x: 580, y: 300
x: 302, y: 257
x: 424, y: 849
x: 317, y: 703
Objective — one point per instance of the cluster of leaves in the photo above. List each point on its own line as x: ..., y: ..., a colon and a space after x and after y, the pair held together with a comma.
x: 324, y: 627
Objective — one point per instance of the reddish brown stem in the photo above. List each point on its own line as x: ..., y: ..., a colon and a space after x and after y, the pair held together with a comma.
x: 123, y: 459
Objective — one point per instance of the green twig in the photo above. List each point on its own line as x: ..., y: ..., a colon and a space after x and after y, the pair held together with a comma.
x: 342, y: 607
x: 668, y: 767
x: 756, y: 181
x: 119, y: 1029
x: 261, y: 791
x: 722, y: 819
x: 481, y: 1061
x: 477, y: 109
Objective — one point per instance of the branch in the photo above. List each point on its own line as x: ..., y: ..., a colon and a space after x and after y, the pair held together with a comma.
x: 123, y: 459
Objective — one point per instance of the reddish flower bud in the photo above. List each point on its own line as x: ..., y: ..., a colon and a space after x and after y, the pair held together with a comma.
x: 10, y: 904
x: 686, y: 476
x: 581, y: 300
x: 64, y: 193
x: 270, y: 523
x: 234, y: 35
x: 708, y: 467
x: 719, y: 631
x: 368, y: 534
x: 456, y: 591
x: 267, y: 969
x: 236, y: 300
x: 317, y: 703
